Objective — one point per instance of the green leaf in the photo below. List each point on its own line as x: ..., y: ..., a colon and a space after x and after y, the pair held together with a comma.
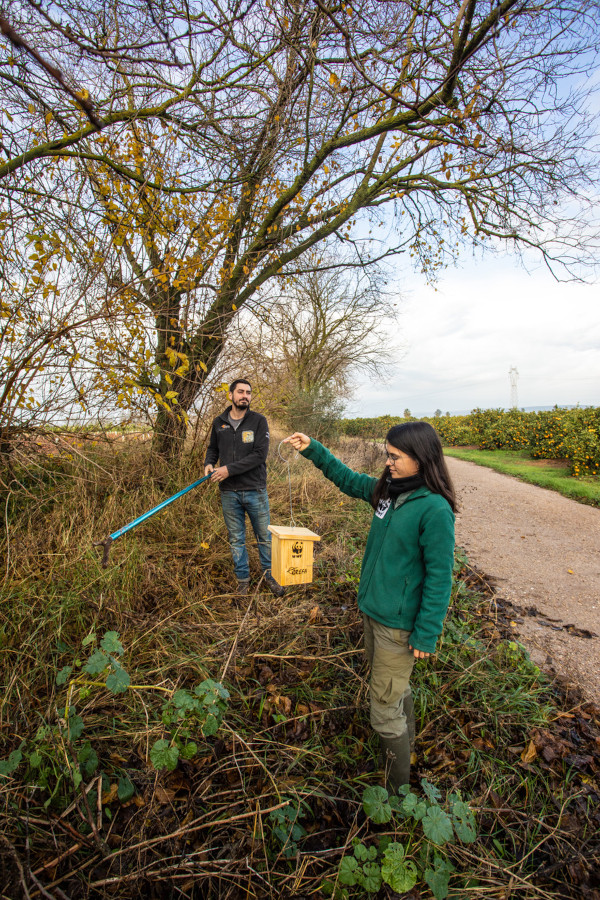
x: 163, y: 756
x: 209, y: 686
x: 371, y: 880
x: 401, y: 874
x: 348, y: 870
x: 126, y: 789
x: 111, y: 644
x: 35, y: 759
x: 63, y: 675
x: 184, y: 702
x: 464, y: 822
x: 89, y: 639
x: 97, y: 663
x: 376, y: 806
x: 88, y: 759
x: 210, y: 726
x: 77, y: 778
x: 413, y: 806
x: 189, y: 750
x: 430, y: 790
x: 76, y: 727
x: 438, y: 879
x: 437, y: 826
x: 118, y: 681
x: 361, y: 853
x: 8, y: 766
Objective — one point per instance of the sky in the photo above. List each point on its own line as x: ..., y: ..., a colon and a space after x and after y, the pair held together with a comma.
x: 455, y: 343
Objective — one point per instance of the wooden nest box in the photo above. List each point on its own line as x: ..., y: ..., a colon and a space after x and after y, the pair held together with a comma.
x: 292, y: 554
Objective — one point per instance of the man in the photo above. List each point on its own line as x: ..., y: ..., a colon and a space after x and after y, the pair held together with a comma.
x: 239, y: 440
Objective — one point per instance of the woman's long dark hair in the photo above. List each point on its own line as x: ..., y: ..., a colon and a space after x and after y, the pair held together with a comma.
x: 421, y: 442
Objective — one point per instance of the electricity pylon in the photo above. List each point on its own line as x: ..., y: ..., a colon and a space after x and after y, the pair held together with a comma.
x: 513, y: 375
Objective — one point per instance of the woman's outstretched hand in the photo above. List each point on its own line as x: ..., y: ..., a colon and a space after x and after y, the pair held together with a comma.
x: 298, y: 440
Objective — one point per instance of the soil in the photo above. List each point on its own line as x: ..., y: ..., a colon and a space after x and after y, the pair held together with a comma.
x: 541, y: 553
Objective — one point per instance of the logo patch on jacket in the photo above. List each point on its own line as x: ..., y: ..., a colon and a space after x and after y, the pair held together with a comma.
x: 247, y: 437
x: 382, y: 508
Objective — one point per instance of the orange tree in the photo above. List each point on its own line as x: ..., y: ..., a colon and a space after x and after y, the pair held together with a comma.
x: 224, y: 142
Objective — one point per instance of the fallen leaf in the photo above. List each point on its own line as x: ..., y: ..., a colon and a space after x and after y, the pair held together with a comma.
x: 111, y: 794
x: 529, y: 754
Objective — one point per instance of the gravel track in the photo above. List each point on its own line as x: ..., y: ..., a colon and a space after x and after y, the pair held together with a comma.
x: 542, y: 553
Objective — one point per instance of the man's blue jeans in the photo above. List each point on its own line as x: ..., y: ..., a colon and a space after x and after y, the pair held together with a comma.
x: 235, y: 506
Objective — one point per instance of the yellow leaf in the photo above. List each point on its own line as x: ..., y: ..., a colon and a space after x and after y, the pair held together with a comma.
x: 203, y: 366
x: 529, y: 754
x: 334, y: 80
x: 170, y: 395
x: 204, y: 545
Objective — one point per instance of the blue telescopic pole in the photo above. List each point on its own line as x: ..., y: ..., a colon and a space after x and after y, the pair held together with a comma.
x: 106, y: 543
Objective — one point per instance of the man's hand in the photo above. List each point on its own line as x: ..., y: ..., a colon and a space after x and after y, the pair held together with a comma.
x: 208, y: 469
x: 298, y: 440
x: 419, y: 654
x: 219, y: 474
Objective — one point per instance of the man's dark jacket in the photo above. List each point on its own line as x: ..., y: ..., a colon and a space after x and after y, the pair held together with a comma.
x: 243, y: 450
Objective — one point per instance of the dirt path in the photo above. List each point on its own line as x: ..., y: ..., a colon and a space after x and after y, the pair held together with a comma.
x: 542, y: 552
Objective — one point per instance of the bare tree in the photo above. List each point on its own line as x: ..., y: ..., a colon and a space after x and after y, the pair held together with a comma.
x: 240, y: 136
x: 313, y: 340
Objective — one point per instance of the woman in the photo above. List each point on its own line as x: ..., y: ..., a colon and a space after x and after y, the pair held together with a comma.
x: 406, y: 574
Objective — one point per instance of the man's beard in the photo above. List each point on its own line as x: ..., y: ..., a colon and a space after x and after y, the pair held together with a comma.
x: 243, y: 404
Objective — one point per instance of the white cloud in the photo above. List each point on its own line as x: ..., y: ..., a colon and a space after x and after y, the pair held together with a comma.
x: 456, y: 344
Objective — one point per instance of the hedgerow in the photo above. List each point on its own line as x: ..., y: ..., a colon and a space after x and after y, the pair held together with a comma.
x: 571, y: 434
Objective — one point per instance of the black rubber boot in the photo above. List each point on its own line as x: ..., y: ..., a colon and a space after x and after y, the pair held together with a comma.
x: 396, y: 761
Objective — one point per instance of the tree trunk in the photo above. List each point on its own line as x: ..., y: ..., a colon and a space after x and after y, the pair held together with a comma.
x: 170, y: 433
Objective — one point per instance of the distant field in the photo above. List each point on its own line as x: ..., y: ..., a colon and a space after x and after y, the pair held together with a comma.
x: 547, y: 473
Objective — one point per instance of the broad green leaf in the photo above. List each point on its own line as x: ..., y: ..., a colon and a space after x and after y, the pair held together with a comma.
x: 438, y: 879
x: 76, y: 727
x: 347, y: 871
x: 401, y: 874
x: 184, y: 701
x: 376, y: 806
x: 8, y: 766
x: 361, y: 853
x: 210, y: 726
x: 209, y: 686
x: 126, y: 789
x: 88, y: 759
x: 371, y: 880
x: 413, y: 806
x: 111, y: 644
x: 437, y: 826
x: 97, y: 663
x: 189, y: 750
x: 118, y: 681
x: 89, y: 639
x: 35, y: 759
x: 63, y: 675
x: 77, y: 778
x: 163, y: 756
x: 464, y: 822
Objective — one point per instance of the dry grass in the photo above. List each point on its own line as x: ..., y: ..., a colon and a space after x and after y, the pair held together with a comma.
x: 295, y: 735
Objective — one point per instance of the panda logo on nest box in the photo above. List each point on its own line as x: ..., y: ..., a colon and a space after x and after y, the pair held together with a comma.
x: 297, y: 548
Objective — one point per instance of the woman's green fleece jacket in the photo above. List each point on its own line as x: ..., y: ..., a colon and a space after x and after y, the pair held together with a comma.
x: 406, y: 574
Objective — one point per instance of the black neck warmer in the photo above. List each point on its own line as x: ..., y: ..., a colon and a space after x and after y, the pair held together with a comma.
x: 397, y: 486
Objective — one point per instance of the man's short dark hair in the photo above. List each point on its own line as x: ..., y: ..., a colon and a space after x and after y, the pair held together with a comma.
x: 237, y: 381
